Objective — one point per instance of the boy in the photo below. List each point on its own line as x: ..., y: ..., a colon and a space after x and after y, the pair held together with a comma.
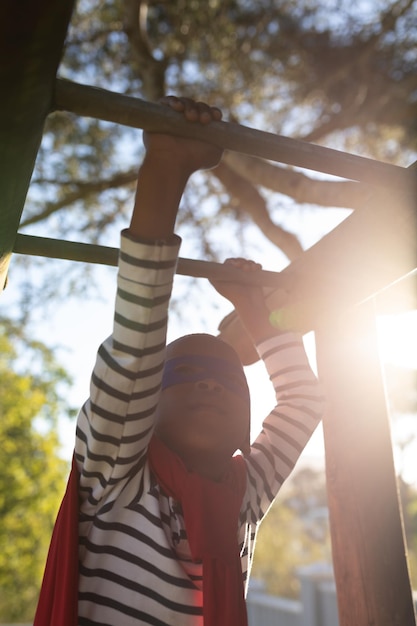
x: 168, y: 515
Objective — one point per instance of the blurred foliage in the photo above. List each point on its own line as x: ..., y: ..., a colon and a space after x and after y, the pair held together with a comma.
x: 294, y: 533
x: 32, y: 475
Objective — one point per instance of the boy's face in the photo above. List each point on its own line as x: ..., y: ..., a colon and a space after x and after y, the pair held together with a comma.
x: 204, y: 404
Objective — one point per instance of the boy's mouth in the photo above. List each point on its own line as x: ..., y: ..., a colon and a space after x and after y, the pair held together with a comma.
x: 208, y: 405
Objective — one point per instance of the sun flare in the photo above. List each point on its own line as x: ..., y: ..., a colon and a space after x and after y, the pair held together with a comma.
x: 397, y: 338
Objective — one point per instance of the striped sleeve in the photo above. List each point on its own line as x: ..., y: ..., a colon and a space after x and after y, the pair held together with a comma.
x: 289, y: 426
x: 115, y: 424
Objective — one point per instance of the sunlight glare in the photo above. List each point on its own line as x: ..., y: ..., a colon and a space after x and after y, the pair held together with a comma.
x: 397, y: 338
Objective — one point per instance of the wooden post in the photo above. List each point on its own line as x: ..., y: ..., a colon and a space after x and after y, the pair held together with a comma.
x: 369, y: 556
x: 32, y: 34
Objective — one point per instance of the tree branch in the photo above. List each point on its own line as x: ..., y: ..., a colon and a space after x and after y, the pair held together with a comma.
x: 150, y: 70
x: 301, y: 188
x: 82, y: 191
x: 251, y: 201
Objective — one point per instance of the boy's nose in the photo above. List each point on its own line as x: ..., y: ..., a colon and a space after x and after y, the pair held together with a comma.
x: 210, y: 384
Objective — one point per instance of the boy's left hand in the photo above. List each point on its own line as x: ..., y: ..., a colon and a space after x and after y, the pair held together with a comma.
x: 248, y: 300
x: 237, y: 292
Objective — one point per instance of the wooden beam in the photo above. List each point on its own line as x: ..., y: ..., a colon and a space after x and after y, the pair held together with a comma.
x: 32, y: 34
x: 369, y: 552
x: 105, y: 255
x: 113, y: 107
x: 371, y: 249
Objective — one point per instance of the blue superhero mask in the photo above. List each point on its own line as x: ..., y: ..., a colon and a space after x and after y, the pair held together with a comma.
x: 193, y: 368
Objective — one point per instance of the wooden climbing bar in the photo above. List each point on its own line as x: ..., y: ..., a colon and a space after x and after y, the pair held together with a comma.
x: 106, y: 255
x: 106, y: 105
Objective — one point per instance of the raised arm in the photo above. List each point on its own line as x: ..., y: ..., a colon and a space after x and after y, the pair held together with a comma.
x: 116, y: 423
x: 248, y: 301
x: 167, y: 166
x: 299, y: 401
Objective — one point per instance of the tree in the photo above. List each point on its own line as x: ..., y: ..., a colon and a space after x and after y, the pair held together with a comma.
x: 32, y: 475
x: 294, y: 533
x: 328, y: 72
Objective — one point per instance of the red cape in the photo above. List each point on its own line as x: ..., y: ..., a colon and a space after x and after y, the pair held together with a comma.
x: 58, y: 599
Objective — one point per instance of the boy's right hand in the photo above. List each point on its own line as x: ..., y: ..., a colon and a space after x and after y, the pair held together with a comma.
x: 190, y: 154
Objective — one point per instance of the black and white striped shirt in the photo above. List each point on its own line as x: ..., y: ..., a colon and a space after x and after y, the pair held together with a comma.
x: 135, y: 563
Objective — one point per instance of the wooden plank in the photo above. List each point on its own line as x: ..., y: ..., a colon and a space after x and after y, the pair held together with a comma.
x: 113, y: 107
x: 369, y: 553
x: 105, y: 255
x: 32, y: 34
x: 371, y: 249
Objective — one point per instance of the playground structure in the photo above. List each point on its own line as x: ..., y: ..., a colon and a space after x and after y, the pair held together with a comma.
x: 334, y: 288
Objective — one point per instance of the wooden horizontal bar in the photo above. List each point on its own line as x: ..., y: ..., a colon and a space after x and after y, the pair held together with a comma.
x: 112, y: 107
x: 105, y: 255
